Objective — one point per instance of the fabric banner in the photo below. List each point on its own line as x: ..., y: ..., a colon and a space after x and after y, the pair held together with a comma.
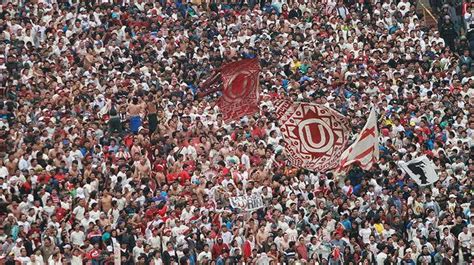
x: 421, y: 170
x: 365, y: 149
x: 315, y: 136
x: 240, y: 89
x: 247, y: 203
x: 212, y: 84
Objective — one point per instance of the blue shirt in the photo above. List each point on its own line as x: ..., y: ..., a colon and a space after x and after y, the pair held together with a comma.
x: 347, y: 224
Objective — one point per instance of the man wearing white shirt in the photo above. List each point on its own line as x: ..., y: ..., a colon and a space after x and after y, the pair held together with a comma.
x: 448, y: 238
x: 25, y: 204
x: 79, y: 210
x: 382, y: 256
x: 292, y: 233
x: 77, y: 236
x: 365, y: 234
x: 179, y: 229
x: 227, y: 236
x: 23, y: 164
x: 3, y: 169
x: 155, y: 240
x: 121, y: 201
x: 85, y: 222
x: 138, y: 250
x: 465, y: 242
x: 95, y: 213
x: 227, y: 180
x: 187, y: 213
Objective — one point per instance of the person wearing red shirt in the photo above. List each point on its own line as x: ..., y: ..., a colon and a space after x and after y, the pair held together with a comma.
x: 247, y: 248
x: 259, y: 130
x: 94, y: 254
x: 60, y: 176
x: 26, y: 186
x: 301, y: 249
x: 44, y: 178
x: 95, y: 235
x: 184, y: 176
x: 60, y: 212
x: 219, y: 248
x: 171, y: 177
x: 162, y: 209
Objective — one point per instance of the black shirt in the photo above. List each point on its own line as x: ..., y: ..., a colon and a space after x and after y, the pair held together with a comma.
x: 169, y: 257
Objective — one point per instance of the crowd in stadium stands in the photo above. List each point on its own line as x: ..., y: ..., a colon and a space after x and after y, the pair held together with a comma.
x: 107, y: 154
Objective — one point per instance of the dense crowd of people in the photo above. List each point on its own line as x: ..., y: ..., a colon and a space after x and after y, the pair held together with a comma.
x: 109, y: 156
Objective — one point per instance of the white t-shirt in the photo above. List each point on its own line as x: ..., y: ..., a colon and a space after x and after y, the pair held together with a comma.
x: 137, y: 251
x: 365, y: 234
x: 79, y: 212
x: 381, y: 257
x: 227, y: 237
x: 292, y: 234
x: 465, y: 239
x: 203, y: 254
x: 154, y: 242
x: 24, y: 260
x: 76, y: 260
x: 94, y: 215
x: 77, y: 238
x: 3, y: 172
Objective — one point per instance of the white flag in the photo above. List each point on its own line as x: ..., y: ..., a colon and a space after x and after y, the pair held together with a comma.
x: 365, y: 148
x: 247, y: 203
x: 421, y: 170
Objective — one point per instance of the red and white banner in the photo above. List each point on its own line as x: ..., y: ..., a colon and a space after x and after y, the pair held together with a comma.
x: 239, y: 84
x: 240, y: 89
x: 365, y: 149
x: 315, y: 136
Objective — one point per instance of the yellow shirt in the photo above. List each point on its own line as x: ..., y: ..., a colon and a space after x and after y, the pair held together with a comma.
x: 295, y: 65
x: 379, y: 228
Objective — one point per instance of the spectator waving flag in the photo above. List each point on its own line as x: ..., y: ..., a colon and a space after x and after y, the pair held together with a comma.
x: 365, y: 149
x: 421, y: 170
x: 315, y: 136
x: 239, y: 83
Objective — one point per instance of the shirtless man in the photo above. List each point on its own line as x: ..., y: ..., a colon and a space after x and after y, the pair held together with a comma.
x: 142, y: 168
x: 12, y: 164
x: 135, y: 111
x: 106, y: 201
x: 152, y: 114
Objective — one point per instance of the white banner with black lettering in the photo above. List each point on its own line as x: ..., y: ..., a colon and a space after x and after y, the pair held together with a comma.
x: 247, y: 203
x: 421, y: 170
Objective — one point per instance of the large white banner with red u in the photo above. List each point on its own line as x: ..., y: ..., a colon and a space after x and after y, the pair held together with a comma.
x: 315, y: 136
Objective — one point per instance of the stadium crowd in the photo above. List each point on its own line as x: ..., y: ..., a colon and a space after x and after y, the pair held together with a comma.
x: 108, y: 156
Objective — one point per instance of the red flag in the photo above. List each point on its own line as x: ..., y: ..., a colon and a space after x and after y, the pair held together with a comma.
x: 240, y: 93
x: 238, y: 82
x: 315, y: 136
